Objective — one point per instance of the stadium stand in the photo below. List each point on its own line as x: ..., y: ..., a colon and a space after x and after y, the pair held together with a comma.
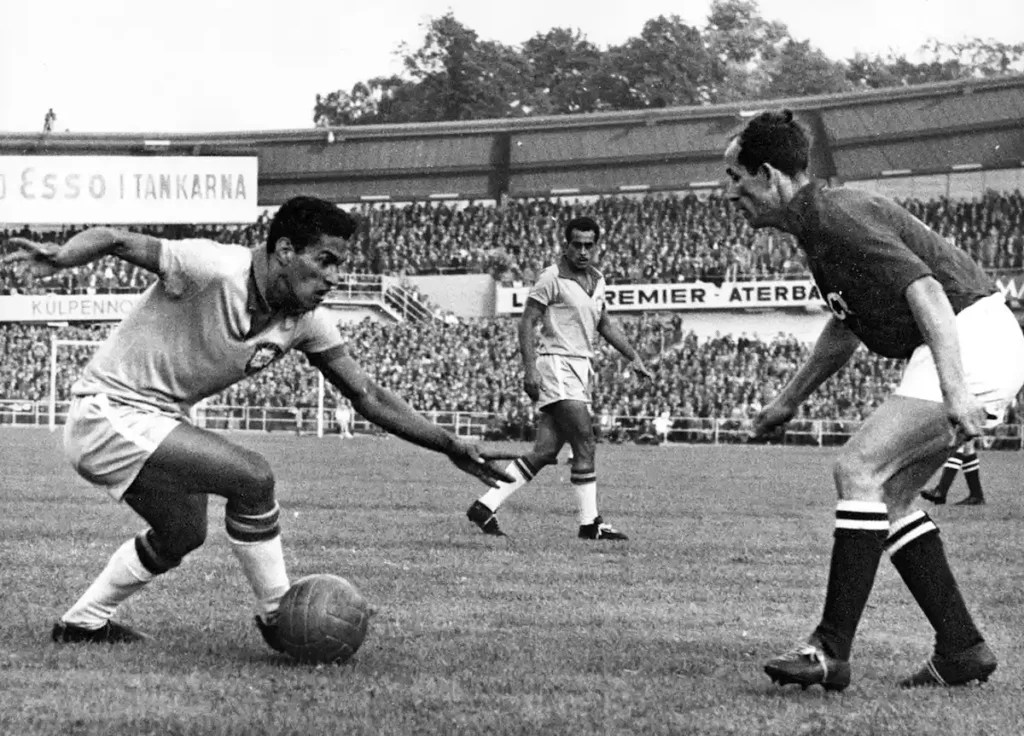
x: 473, y: 366
x: 653, y: 239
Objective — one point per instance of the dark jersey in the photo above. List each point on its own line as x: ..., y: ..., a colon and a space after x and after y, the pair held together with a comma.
x: 864, y: 251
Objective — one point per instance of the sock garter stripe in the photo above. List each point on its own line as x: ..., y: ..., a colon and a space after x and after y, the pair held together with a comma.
x: 908, y: 529
x: 862, y: 515
x: 253, y: 527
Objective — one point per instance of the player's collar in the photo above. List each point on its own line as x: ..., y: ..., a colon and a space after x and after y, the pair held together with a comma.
x: 566, y: 272
x: 795, y: 216
x: 258, y: 275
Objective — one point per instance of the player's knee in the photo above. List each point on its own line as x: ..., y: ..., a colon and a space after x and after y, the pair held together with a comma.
x: 586, y: 448
x: 167, y: 548
x: 854, y: 479
x: 542, y: 454
x: 256, y: 491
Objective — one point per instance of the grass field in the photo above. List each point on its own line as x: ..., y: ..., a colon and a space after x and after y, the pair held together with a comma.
x: 541, y: 633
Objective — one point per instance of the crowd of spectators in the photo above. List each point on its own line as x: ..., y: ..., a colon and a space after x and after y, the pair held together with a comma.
x: 651, y: 239
x: 474, y: 366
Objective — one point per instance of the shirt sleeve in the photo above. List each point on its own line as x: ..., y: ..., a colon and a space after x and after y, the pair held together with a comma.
x: 546, y: 288
x: 876, y: 232
x: 318, y: 332
x: 187, y: 266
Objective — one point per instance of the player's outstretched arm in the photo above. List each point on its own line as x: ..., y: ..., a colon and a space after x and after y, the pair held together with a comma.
x: 833, y: 349
x: 389, y: 411
x: 45, y: 259
x: 618, y: 340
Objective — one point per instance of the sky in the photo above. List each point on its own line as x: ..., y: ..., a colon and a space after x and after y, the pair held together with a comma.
x: 144, y: 66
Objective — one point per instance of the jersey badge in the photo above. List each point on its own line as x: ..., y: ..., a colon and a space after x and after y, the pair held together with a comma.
x: 263, y: 355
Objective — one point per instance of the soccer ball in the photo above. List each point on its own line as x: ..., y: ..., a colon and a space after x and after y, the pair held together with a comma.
x: 322, y: 618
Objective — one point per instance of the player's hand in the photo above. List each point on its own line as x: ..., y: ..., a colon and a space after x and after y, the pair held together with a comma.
x: 967, y: 416
x: 531, y: 385
x: 771, y: 418
x: 471, y: 458
x: 41, y: 258
x: 638, y: 366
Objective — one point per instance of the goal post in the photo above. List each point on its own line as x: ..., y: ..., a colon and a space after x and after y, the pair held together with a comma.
x: 320, y: 391
x: 56, y: 344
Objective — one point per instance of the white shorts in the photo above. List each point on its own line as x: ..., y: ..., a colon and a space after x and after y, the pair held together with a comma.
x: 992, y: 353
x: 563, y: 378
x: 108, y: 442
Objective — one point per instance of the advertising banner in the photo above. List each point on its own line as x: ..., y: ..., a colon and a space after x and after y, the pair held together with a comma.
x: 127, y: 190
x: 689, y: 296
x: 66, y: 308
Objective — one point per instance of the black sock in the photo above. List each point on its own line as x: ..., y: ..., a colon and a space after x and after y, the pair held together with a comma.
x: 949, y: 471
x: 861, y: 529
x: 972, y: 475
x: 917, y: 552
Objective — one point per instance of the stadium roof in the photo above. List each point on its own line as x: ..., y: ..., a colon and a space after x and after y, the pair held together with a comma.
x: 926, y: 128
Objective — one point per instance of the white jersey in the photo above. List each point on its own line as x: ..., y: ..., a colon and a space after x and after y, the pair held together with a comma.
x: 189, y: 337
x: 572, y: 315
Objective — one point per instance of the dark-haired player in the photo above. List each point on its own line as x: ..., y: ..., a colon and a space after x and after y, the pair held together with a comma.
x: 568, y: 302
x: 217, y: 314
x: 901, y: 290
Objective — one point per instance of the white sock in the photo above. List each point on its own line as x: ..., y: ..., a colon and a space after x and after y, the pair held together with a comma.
x: 263, y: 565
x: 123, y: 576
x: 586, y: 494
x: 497, y: 496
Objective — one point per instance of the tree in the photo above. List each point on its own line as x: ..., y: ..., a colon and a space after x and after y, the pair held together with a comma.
x: 738, y: 55
x: 457, y: 76
x: 940, y: 62
x: 799, y: 69
x: 744, y: 45
x: 668, y: 64
x: 562, y: 72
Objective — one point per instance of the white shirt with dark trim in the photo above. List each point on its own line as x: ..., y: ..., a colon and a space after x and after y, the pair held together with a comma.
x: 188, y: 337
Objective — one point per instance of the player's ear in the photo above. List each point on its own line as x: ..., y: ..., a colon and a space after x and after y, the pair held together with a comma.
x: 284, y: 251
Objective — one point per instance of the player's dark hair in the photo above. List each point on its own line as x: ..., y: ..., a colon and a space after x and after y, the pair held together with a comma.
x: 304, y: 219
x: 584, y: 225
x: 774, y: 138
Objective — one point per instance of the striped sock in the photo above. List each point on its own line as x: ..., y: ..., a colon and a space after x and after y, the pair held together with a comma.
x: 586, y: 494
x: 918, y: 555
x: 256, y: 541
x: 522, y: 471
x: 949, y: 471
x: 861, y: 528
x: 972, y: 474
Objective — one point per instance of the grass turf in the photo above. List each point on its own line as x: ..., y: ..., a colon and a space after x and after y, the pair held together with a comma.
x: 538, y: 633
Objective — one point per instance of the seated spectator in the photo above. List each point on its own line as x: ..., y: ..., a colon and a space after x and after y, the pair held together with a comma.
x: 656, y: 239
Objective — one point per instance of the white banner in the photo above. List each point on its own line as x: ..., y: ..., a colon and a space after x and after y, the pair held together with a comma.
x: 689, y: 296
x: 66, y: 308
x: 123, y: 190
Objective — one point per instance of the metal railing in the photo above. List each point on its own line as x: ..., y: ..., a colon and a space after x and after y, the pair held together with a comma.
x: 616, y: 429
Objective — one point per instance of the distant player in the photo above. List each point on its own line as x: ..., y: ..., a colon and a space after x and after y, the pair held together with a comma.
x: 218, y: 314
x: 568, y: 302
x: 904, y: 292
x: 966, y: 459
